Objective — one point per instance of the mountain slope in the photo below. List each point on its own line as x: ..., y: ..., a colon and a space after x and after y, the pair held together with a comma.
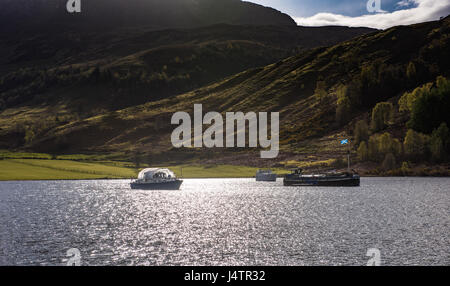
x: 113, y: 14
x: 372, y: 68
x: 93, y: 71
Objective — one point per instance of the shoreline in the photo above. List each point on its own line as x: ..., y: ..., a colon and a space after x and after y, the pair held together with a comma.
x: 40, y: 169
x: 194, y: 178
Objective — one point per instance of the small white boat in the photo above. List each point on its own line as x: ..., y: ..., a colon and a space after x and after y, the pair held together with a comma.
x: 265, y: 176
x: 156, y: 179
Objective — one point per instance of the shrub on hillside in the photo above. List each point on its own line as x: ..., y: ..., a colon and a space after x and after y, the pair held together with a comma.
x: 387, y: 144
x: 380, y: 145
x: 389, y: 162
x: 361, y: 131
x: 321, y: 91
x: 415, y: 144
x: 431, y: 108
x: 362, y: 151
x: 381, y: 115
x: 343, y: 108
x: 408, y: 99
x: 372, y: 148
x: 440, y: 143
x: 411, y: 72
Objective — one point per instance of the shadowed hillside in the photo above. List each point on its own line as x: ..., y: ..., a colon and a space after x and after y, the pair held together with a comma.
x: 113, y: 14
x: 378, y: 89
x: 89, y: 72
x: 320, y: 95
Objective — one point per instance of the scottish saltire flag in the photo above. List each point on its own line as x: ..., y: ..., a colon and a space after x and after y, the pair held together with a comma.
x: 345, y: 141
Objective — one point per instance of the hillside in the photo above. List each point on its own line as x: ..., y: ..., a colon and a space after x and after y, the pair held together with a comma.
x: 102, y: 15
x: 91, y: 72
x: 323, y: 95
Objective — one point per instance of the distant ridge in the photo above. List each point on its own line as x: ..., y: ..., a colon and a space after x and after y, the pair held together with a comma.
x: 304, y: 88
x: 158, y: 14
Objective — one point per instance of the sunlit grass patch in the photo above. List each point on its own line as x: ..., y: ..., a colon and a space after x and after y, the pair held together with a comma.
x: 11, y: 170
x: 81, y: 167
x: 218, y: 171
x: 308, y: 164
x: 35, y: 166
x: 5, y: 154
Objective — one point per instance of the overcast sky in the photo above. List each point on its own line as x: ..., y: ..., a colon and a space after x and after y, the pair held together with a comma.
x: 354, y: 13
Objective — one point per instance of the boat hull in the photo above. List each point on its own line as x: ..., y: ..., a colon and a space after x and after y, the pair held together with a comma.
x: 169, y: 186
x: 266, y: 178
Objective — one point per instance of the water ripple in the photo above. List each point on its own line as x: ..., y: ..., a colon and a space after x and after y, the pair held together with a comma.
x: 225, y: 222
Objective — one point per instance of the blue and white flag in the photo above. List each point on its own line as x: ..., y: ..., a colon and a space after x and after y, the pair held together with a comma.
x: 345, y: 141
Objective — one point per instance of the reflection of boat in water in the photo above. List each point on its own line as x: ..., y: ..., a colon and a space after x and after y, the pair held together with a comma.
x: 344, y: 179
x: 265, y: 176
x: 156, y: 179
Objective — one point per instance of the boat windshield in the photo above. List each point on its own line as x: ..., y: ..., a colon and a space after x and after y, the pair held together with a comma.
x: 153, y: 173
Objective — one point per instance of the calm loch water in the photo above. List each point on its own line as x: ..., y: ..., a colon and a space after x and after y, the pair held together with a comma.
x: 226, y: 222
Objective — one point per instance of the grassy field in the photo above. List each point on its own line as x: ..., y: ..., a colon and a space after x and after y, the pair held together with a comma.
x: 38, y: 169
x: 33, y: 166
x: 29, y: 166
x: 217, y: 171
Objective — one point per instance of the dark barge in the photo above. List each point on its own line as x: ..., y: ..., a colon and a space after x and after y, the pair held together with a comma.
x: 343, y: 179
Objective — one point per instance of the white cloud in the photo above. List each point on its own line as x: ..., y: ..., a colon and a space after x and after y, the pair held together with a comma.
x: 424, y: 10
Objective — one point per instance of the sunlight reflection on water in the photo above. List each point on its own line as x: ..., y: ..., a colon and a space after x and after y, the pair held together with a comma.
x: 225, y: 222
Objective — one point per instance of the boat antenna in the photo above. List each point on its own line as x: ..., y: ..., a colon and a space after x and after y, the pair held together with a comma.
x: 348, y: 160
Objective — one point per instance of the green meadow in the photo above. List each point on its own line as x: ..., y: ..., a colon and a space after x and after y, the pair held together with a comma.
x: 34, y: 166
x: 217, y: 171
x: 38, y: 169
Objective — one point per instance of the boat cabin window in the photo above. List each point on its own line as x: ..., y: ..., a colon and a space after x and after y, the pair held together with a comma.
x: 160, y: 175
